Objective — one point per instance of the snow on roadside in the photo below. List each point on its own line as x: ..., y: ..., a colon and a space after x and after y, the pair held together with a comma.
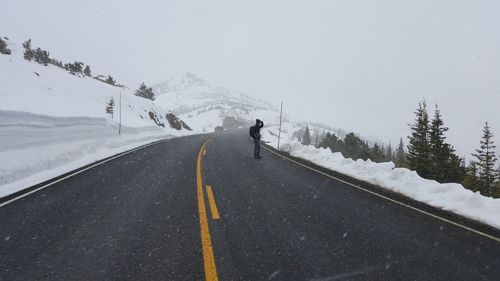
x: 44, y: 147
x: 449, y: 196
x: 52, y: 122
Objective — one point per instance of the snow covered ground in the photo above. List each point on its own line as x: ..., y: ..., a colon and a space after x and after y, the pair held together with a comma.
x: 204, y: 106
x: 450, y: 196
x: 52, y: 122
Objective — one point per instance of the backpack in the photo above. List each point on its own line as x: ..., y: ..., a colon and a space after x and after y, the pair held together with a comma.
x: 252, y: 131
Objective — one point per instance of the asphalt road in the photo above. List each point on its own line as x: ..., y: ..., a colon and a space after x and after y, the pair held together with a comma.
x: 149, y: 216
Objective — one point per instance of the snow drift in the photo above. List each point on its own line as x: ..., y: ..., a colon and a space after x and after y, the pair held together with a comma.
x: 52, y: 122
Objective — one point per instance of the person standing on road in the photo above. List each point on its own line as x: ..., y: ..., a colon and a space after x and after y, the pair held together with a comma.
x: 255, y: 134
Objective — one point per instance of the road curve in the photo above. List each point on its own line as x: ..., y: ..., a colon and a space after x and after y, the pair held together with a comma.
x: 139, y: 217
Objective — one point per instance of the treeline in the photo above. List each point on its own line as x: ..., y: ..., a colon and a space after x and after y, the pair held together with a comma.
x: 351, y: 146
x: 77, y: 68
x: 428, y: 153
x: 432, y: 157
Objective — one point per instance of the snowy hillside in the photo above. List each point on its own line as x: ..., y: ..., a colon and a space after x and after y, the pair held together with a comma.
x: 205, y: 107
x: 49, y: 90
x: 52, y: 121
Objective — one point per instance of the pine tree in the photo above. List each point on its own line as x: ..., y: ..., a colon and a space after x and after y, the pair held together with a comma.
x: 145, y: 92
x: 306, y: 139
x: 110, y: 80
x: 485, y: 162
x: 389, y: 153
x: 3, y: 47
x: 418, y: 146
x: 471, y: 180
x: 110, y: 107
x: 76, y: 67
x: 41, y: 56
x: 86, y: 71
x: 400, y: 158
x: 330, y: 141
x: 316, y: 138
x: 28, y: 52
x: 443, y: 161
x: 497, y: 186
x: 497, y: 190
x: 377, y: 153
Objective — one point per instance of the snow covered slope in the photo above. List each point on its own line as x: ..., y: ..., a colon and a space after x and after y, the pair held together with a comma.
x: 52, y: 121
x: 205, y: 107
x: 49, y: 90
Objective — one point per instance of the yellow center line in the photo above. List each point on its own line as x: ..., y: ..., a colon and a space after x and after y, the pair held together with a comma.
x: 211, y: 201
x: 206, y: 241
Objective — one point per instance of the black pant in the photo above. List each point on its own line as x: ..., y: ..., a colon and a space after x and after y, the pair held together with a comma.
x: 256, y: 149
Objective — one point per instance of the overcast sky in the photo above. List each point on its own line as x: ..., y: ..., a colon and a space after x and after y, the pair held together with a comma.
x: 358, y: 65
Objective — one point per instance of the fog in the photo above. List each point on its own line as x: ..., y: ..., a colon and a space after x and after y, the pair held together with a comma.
x: 357, y: 65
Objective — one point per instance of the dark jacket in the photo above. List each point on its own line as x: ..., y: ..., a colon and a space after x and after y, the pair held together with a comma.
x: 256, y: 133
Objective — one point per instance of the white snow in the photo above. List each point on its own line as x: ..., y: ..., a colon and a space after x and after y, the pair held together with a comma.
x: 449, y: 196
x: 52, y: 122
x: 204, y: 106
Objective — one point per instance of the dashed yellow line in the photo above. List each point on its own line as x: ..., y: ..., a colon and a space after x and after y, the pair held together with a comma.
x: 211, y: 201
x: 206, y: 241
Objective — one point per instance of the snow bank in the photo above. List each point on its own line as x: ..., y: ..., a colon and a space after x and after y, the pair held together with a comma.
x: 52, y: 122
x: 35, y: 148
x: 450, y: 196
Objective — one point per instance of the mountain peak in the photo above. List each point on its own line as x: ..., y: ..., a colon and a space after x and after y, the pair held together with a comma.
x: 184, y: 82
x: 191, y: 80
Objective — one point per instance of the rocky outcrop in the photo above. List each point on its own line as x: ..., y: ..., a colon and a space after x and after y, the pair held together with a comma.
x: 155, y: 119
x: 176, y: 123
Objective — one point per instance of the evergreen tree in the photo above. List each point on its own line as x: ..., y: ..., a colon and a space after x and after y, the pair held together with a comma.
x: 86, y: 71
x: 445, y: 165
x: 389, y: 154
x: 400, y: 158
x: 353, y: 147
x: 458, y: 168
x: 376, y: 153
x: 471, y: 180
x: 330, y: 141
x: 418, y: 147
x: 28, y: 52
x: 316, y: 138
x: 497, y: 190
x: 306, y: 139
x: 41, y: 56
x: 110, y: 107
x: 4, y: 48
x: 145, y: 92
x: 485, y: 162
x: 75, y: 68
x: 110, y: 80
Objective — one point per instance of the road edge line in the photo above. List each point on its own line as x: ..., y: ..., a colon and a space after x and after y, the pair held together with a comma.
x: 26, y: 191
x: 497, y: 239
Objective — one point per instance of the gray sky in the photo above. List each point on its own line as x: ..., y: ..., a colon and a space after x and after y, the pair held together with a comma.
x: 359, y: 65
